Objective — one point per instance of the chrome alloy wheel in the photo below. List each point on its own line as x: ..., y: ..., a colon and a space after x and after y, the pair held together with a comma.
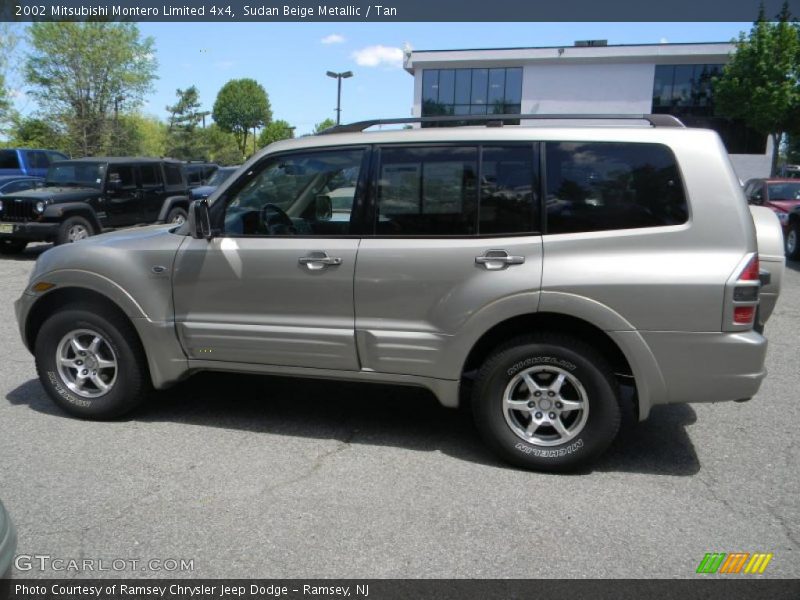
x: 77, y: 232
x: 545, y: 405
x: 86, y: 363
x: 178, y: 219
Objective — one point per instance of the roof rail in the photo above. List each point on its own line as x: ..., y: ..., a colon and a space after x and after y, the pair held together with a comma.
x: 660, y: 120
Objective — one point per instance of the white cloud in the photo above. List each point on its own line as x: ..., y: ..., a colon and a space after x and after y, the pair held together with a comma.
x: 664, y: 40
x: 374, y: 56
x: 333, y: 38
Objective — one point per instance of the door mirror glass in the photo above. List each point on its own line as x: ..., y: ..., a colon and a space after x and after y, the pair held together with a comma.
x: 199, y: 220
x: 324, y: 208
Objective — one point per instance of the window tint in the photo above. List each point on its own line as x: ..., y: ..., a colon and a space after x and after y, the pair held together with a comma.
x: 173, y: 173
x: 150, y: 175
x: 298, y: 194
x: 598, y: 186
x: 37, y: 159
x: 428, y: 191
x: 122, y: 174
x: 783, y: 191
x: 509, y: 199
x: 9, y: 159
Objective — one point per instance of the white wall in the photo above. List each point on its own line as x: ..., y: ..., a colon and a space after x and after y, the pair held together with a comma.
x: 587, y: 88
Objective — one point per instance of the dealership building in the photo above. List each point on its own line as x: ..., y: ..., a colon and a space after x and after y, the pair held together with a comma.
x: 590, y: 77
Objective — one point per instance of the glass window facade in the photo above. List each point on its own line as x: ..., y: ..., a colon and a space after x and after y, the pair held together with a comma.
x: 471, y: 92
x: 686, y: 92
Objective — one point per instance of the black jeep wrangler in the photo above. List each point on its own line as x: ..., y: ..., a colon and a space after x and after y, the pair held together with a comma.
x: 87, y: 196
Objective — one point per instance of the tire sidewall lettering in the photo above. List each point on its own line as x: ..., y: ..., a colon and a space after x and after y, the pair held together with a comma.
x: 549, y: 452
x: 540, y: 360
x: 55, y: 382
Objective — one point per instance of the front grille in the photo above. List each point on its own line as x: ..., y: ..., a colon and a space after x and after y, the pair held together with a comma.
x: 16, y: 211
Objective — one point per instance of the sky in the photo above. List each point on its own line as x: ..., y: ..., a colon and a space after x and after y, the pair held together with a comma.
x: 290, y: 59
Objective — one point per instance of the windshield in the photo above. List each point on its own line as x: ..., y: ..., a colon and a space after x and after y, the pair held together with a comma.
x: 220, y: 176
x: 76, y: 173
x: 784, y: 191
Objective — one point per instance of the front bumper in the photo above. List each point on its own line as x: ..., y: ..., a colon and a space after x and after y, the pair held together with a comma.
x: 709, y: 367
x: 31, y: 231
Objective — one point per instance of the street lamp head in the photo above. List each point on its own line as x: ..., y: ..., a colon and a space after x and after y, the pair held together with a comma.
x: 332, y: 74
x: 346, y: 74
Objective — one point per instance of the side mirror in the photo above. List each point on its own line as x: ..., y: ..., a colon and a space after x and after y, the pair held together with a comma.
x: 323, y: 208
x: 199, y: 220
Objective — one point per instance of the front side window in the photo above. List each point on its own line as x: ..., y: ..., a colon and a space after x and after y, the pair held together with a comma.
x: 428, y: 191
x: 596, y: 186
x: 298, y: 194
x: 783, y: 191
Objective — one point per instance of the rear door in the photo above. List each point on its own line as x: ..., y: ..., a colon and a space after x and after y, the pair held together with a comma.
x: 456, y: 228
x: 152, y: 190
x: 122, y: 198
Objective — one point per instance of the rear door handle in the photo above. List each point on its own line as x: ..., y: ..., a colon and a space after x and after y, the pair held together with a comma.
x: 494, y: 260
x: 318, y: 259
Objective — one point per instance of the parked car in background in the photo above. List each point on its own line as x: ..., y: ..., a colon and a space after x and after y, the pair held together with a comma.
x: 8, y: 545
x: 790, y: 171
x: 567, y: 277
x: 198, y: 172
x: 19, y: 183
x: 218, y: 178
x: 26, y: 161
x: 783, y: 197
x: 87, y: 196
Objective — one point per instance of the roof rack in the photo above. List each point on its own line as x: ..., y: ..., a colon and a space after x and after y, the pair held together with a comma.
x: 660, y: 120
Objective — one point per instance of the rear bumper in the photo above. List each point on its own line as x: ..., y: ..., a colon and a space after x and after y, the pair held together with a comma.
x: 709, y: 367
x: 32, y: 232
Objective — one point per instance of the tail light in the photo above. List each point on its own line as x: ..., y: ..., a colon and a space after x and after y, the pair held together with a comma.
x: 742, y: 297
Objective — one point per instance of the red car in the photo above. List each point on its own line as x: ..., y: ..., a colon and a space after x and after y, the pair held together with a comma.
x: 783, y: 197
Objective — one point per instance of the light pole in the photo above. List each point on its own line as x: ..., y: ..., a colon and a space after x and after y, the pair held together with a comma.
x: 338, y: 77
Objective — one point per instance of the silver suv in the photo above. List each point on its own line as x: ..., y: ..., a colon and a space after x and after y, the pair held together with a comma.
x: 558, y: 277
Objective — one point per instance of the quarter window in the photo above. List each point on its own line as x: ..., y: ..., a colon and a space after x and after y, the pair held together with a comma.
x: 594, y: 186
x: 150, y: 175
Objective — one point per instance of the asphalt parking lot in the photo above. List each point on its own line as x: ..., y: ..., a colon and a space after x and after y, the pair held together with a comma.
x: 249, y: 476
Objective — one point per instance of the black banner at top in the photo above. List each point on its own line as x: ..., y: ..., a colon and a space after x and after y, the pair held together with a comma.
x: 389, y: 10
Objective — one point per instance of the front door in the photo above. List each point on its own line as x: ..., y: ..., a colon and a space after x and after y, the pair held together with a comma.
x: 122, y: 199
x: 275, y: 287
x: 153, y: 191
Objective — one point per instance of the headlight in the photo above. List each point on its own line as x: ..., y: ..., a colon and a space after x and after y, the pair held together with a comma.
x: 783, y: 217
x: 39, y: 208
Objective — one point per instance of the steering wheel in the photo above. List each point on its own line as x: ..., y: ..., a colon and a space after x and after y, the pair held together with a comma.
x: 276, y: 221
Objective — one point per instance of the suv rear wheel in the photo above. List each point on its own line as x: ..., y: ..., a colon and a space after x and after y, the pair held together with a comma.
x: 73, y: 229
x: 89, y: 363
x: 547, y: 402
x: 792, y: 241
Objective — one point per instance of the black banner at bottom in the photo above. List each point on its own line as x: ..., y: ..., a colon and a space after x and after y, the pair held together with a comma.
x: 391, y: 589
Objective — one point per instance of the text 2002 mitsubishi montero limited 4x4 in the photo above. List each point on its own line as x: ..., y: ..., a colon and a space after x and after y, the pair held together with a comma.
x: 543, y: 268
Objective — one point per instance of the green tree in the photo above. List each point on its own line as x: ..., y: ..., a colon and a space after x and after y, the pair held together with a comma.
x: 140, y: 135
x: 274, y: 132
x: 241, y: 105
x: 32, y: 132
x: 8, y: 42
x: 185, y: 116
x: 220, y: 146
x: 86, y: 74
x: 326, y: 124
x: 761, y: 83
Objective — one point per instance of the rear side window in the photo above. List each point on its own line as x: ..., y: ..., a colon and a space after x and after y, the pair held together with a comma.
x: 150, y: 175
x: 173, y: 174
x: 428, y: 191
x: 509, y: 200
x: 9, y: 159
x: 122, y: 174
x: 596, y: 186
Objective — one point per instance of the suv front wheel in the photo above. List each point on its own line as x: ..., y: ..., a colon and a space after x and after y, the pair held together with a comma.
x: 90, y: 364
x: 547, y: 402
x: 73, y: 229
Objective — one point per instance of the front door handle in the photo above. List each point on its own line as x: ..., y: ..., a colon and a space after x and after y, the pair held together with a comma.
x: 317, y: 260
x: 494, y: 260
